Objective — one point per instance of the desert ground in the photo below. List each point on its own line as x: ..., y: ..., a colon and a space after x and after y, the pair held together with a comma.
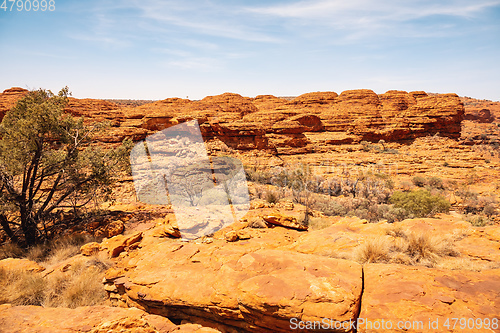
x: 368, y: 213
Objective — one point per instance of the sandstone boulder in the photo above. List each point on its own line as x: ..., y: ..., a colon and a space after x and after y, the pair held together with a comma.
x: 117, y: 244
x: 284, y: 221
x: 90, y: 249
x: 238, y: 286
x: 21, y: 264
x: 115, y: 228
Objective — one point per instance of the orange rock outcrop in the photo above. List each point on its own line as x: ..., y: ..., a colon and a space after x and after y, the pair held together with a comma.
x: 286, y: 126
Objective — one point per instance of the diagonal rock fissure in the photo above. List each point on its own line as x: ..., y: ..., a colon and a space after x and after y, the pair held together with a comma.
x: 360, y: 297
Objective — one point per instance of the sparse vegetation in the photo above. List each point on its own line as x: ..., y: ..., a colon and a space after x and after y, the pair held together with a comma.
x: 374, y: 250
x: 435, y: 182
x: 420, y: 203
x: 80, y: 285
x: 406, y: 248
x: 477, y: 220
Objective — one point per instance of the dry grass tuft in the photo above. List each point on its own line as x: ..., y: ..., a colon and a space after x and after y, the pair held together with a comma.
x: 374, y: 250
x: 396, y: 230
x: 80, y: 285
x: 21, y: 288
x: 317, y: 223
x: 406, y: 248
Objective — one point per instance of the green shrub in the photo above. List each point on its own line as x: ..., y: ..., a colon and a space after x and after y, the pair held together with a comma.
x: 420, y: 203
x: 329, y: 207
x: 477, y: 220
x: 435, y: 182
x: 419, y: 181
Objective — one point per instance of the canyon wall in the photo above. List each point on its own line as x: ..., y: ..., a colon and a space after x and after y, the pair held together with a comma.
x: 299, y: 125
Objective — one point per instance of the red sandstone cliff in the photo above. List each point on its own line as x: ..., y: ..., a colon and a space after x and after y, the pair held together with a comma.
x: 268, y: 122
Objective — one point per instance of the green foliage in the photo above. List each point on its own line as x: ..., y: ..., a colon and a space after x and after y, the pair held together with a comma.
x: 47, y: 163
x: 419, y: 181
x: 477, y: 220
x: 420, y: 203
x: 435, y: 182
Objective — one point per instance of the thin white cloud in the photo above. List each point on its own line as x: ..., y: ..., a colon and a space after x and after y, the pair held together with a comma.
x: 360, y: 18
x: 373, y: 10
x: 340, y: 22
x: 194, y: 63
x: 203, y: 18
x: 107, y: 41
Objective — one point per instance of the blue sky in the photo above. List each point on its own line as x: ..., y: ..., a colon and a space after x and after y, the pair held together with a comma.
x: 152, y: 49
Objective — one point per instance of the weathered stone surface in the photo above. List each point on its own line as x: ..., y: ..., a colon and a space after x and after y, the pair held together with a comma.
x: 239, y: 286
x: 94, y: 319
x: 401, y: 293
x: 166, y: 227
x: 21, y: 264
x: 480, y: 116
x: 115, y: 228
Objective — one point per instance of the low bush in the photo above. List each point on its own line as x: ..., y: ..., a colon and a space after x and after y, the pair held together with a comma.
x: 435, y: 182
x: 329, y: 206
x: 477, y: 220
x: 272, y: 196
x: 420, y: 203
x: 419, y: 181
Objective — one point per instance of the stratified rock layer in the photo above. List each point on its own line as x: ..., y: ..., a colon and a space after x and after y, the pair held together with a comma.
x: 268, y: 122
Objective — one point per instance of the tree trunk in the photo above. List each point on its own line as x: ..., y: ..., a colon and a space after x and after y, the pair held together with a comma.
x: 6, y: 227
x: 30, y: 231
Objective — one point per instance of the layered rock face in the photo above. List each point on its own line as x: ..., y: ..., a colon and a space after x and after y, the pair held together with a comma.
x: 286, y: 126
